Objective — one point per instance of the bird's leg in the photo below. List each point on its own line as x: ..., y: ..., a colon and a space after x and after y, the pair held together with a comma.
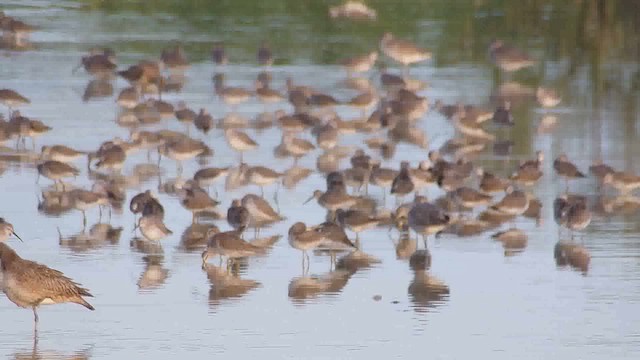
x: 424, y: 240
x: 303, y: 256
x: 262, y: 191
x: 35, y: 317
x: 307, y: 256
x: 99, y: 213
x: 84, y: 220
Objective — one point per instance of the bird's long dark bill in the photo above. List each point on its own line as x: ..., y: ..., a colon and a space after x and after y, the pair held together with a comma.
x: 19, y: 238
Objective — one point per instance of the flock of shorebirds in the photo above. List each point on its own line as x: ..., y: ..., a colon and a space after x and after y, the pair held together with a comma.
x: 390, y: 111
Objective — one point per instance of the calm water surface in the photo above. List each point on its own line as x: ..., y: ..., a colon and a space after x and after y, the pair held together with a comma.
x: 499, y: 306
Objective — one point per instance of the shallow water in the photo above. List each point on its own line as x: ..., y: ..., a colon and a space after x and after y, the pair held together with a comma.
x: 159, y: 302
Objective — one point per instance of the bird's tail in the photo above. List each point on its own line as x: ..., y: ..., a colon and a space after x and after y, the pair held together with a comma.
x: 84, y: 303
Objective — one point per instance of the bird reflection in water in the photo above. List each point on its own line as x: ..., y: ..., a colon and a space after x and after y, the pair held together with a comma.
x: 36, y: 354
x: 426, y: 292
x: 405, y: 246
x: 154, y: 274
x: 143, y: 246
x: 226, y: 285
x: 569, y: 253
x: 309, y: 287
x: 99, y: 235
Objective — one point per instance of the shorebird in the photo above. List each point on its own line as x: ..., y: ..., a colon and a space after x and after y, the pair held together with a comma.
x: 508, y: 58
x: 262, y: 176
x: 146, y: 74
x: 382, y: 177
x: 196, y: 200
x: 356, y: 221
x: 566, y: 169
x: 239, y: 141
x: 360, y: 64
x: 6, y: 230
x: 29, y: 284
x: 515, y: 202
x: 490, y: 183
x: 56, y: 171
x: 547, y: 97
x: 530, y: 171
x: 24, y: 127
x: 84, y: 200
x: 470, y: 198
x: 327, y: 135
x: 260, y: 212
x: 364, y: 101
x: 12, y: 99
x: 333, y: 199
x: 111, y: 156
x: 624, y: 182
x: 599, y: 169
x: 101, y: 65
x: 402, y: 183
x: 304, y: 239
x: 174, y: 59
x: 426, y: 219
x: 185, y: 115
x: 208, y: 176
x: 238, y: 216
x: 153, y: 228
x: 403, y: 51
x: 267, y: 95
x: 182, y: 149
x: 353, y: 10
x: 203, y: 121
x: 145, y: 203
x: 296, y: 147
x: 576, y: 215
x: 232, y: 96
x: 229, y: 244
x: 60, y: 153
x: 527, y: 176
x: 129, y: 98
x: 336, y: 238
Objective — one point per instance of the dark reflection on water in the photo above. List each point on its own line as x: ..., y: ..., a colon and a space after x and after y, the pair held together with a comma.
x: 425, y: 291
x: 227, y: 285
